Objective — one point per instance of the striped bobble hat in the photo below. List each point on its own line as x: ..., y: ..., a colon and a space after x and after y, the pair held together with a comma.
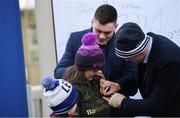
x: 61, y: 95
x: 89, y: 55
x: 130, y: 40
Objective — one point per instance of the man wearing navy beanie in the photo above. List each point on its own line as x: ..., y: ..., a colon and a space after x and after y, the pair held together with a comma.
x: 157, y: 76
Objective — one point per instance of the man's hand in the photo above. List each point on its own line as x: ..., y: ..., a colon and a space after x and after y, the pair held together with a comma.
x: 108, y: 88
x: 100, y: 74
x: 115, y: 100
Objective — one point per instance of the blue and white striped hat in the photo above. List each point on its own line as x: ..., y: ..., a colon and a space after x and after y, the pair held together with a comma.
x: 61, y: 95
x: 130, y: 40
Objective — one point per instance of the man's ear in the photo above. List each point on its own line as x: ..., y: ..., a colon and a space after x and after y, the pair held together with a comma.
x: 91, y: 23
x: 116, y: 25
x: 145, y: 50
x: 144, y: 53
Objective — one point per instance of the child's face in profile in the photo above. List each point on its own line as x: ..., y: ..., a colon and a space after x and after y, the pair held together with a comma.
x: 89, y: 74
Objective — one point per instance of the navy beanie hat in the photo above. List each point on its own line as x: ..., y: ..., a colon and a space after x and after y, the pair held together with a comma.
x: 60, y: 94
x: 89, y: 55
x: 130, y: 40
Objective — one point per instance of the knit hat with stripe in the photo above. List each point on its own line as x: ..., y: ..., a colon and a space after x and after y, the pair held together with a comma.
x: 89, y: 55
x: 61, y: 95
x: 130, y: 40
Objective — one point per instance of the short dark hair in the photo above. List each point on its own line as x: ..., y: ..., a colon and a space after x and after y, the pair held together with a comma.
x: 106, y: 14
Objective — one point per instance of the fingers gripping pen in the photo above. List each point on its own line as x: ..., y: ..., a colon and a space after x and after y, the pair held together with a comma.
x: 107, y: 88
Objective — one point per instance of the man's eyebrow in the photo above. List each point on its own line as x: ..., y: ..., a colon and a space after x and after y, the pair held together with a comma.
x: 103, y: 31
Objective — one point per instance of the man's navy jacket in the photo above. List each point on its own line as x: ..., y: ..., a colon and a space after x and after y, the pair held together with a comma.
x: 159, y: 85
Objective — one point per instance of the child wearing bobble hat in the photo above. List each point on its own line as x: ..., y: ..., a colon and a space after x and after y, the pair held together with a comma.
x: 78, y: 93
x: 89, y: 59
x: 61, y: 96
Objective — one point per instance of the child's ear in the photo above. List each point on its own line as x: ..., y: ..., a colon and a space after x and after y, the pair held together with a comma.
x: 73, y: 109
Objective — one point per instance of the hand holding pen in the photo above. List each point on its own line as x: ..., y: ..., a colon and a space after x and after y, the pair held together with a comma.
x: 108, y: 88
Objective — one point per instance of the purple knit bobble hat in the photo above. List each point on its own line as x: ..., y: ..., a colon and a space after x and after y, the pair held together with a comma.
x: 89, y: 55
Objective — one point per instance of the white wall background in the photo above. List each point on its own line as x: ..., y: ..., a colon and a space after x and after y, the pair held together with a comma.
x: 159, y: 16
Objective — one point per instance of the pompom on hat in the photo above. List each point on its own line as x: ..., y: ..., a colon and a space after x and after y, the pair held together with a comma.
x: 61, y: 95
x: 89, y: 55
x: 130, y: 40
